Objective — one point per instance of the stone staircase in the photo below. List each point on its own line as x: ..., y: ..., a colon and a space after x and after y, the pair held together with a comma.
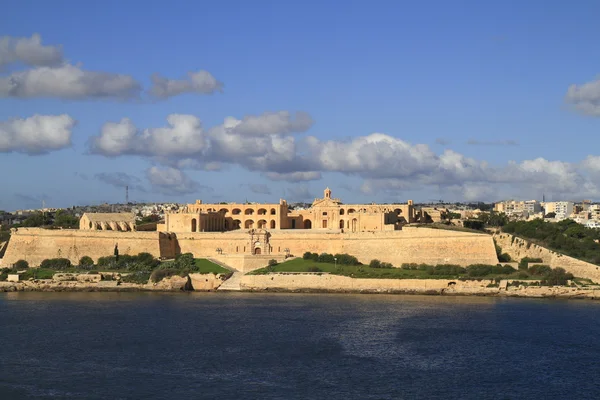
x: 233, y: 283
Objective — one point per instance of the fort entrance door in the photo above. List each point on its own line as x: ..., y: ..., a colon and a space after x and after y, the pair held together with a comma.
x: 257, y: 251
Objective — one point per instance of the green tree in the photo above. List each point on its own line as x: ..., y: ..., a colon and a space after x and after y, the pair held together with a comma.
x: 63, y: 219
x: 21, y: 265
x: 86, y: 262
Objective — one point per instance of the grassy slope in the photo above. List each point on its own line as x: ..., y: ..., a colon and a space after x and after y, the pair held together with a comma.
x: 209, y: 267
x: 364, y: 271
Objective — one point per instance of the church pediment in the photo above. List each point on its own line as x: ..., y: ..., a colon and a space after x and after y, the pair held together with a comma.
x: 326, y: 203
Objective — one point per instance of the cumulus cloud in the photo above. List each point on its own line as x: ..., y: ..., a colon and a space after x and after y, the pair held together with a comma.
x: 300, y: 192
x: 38, y: 134
x: 183, y: 137
x: 585, y: 98
x: 385, y: 163
x: 202, y: 82
x: 297, y: 176
x: 509, y: 142
x: 68, y: 82
x: 186, y: 144
x: 171, y: 181
x: 29, y: 51
x: 258, y: 188
x: 271, y: 123
x: 121, y: 180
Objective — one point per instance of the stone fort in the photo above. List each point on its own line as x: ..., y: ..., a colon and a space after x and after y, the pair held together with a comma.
x: 246, y: 236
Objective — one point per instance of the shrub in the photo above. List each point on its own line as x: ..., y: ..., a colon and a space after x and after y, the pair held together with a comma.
x: 21, y: 265
x: 375, y: 263
x: 558, y: 276
x: 507, y: 269
x: 539, y: 270
x: 159, y: 274
x: 346, y: 259
x: 504, y: 257
x: 86, y: 262
x: 326, y: 258
x: 57, y: 264
x: 386, y: 265
x: 272, y: 262
x: 307, y: 256
x: 4, y: 274
x: 523, y: 275
x: 477, y: 270
x: 410, y: 266
x: 523, y: 264
x: 314, y: 257
x: 314, y: 268
x: 446, y: 269
x: 108, y: 262
x: 137, y: 277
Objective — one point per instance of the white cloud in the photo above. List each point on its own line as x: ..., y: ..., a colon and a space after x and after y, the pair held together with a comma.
x: 297, y: 176
x: 258, y: 188
x: 172, y: 181
x: 271, y: 123
x: 121, y: 180
x: 28, y: 51
x: 38, y: 134
x: 202, y: 82
x: 68, y: 82
x: 385, y: 163
x: 184, y: 137
x: 585, y: 98
x: 299, y: 192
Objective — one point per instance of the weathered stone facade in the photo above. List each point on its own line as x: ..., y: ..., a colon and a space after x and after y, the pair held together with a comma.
x: 107, y: 222
x: 326, y: 214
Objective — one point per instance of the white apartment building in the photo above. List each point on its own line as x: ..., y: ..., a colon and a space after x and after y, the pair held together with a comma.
x: 562, y: 209
x: 513, y: 207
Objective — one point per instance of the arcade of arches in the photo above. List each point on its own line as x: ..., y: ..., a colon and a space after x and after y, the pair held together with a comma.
x: 325, y: 214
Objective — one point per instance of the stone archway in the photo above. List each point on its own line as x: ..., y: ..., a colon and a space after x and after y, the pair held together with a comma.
x: 307, y: 224
x: 257, y: 251
x: 194, y: 224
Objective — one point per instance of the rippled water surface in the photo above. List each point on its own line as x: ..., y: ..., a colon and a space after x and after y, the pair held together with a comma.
x: 296, y: 346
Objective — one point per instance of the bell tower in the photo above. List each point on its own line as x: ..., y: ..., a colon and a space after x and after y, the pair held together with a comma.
x: 327, y: 193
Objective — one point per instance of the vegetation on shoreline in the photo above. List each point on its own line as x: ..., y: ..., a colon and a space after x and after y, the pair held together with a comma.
x: 138, y: 269
x: 377, y: 269
x: 567, y: 237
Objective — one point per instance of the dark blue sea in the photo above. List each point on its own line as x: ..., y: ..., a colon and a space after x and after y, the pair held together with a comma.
x: 296, y: 346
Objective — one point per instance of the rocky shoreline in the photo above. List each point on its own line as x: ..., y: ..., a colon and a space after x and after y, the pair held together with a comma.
x: 179, y: 284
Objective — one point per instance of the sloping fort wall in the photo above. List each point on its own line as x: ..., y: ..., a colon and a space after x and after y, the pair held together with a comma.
x: 519, y: 248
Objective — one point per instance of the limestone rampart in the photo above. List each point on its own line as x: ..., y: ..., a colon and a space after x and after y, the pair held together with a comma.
x: 410, y: 245
x: 330, y: 282
x: 519, y: 248
x: 337, y: 283
x: 35, y: 244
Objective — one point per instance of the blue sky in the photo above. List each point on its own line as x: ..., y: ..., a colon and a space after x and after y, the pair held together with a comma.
x: 471, y: 100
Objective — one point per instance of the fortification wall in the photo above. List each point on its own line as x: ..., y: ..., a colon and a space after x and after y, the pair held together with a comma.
x: 520, y: 248
x: 291, y: 282
x: 410, y: 245
x: 35, y: 244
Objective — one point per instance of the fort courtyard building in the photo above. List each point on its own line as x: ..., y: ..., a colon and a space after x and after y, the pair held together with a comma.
x: 325, y: 214
x: 248, y: 236
x: 107, y: 222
